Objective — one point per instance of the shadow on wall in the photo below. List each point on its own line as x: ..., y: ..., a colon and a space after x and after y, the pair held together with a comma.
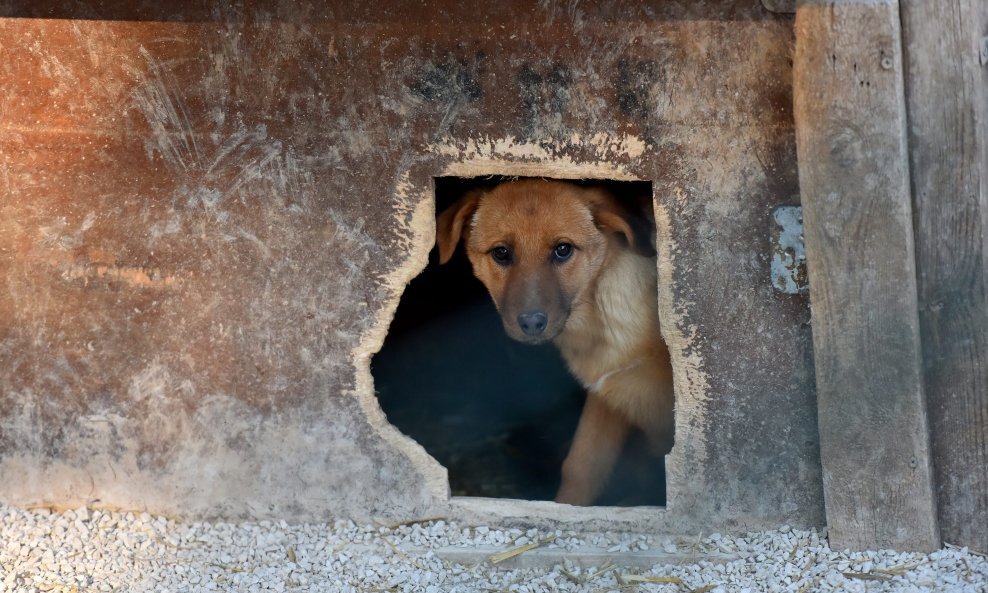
x: 498, y: 414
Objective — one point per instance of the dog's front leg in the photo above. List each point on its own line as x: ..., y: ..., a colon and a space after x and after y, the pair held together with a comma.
x: 597, y: 444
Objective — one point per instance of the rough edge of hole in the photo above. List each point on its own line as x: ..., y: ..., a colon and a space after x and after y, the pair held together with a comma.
x: 690, y: 383
x: 415, y: 214
x: 415, y: 219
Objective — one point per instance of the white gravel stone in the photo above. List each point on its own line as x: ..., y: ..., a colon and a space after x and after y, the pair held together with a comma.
x: 96, y: 550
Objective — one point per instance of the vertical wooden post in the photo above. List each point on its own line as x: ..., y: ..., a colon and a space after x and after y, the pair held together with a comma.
x: 854, y: 177
x: 948, y: 124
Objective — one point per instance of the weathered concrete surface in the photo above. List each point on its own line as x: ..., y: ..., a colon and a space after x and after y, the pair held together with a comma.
x: 208, y: 215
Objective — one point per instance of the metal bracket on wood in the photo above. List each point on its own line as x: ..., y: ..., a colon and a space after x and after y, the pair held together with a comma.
x: 788, y: 251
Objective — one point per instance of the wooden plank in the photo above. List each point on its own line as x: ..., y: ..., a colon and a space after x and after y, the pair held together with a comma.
x: 853, y: 170
x: 948, y: 123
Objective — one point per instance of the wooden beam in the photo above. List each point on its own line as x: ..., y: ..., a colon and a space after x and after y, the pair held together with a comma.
x: 854, y: 179
x: 948, y: 123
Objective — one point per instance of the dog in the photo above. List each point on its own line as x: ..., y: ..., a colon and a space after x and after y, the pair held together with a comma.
x: 571, y: 264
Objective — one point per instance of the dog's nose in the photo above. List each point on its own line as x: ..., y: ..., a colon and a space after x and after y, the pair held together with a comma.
x: 533, y: 322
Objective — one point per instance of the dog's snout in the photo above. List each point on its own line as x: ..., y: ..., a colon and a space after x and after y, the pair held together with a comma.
x: 533, y: 323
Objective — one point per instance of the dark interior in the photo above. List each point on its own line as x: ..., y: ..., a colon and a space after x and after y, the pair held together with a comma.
x: 498, y: 414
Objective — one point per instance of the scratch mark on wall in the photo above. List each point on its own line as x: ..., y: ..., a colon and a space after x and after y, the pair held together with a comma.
x: 57, y: 235
x: 451, y: 84
x: 166, y: 114
x: 216, y: 163
x: 134, y: 277
x: 63, y: 78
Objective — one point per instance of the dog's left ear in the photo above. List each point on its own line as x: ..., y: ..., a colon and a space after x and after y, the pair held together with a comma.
x: 613, y: 217
x: 450, y: 224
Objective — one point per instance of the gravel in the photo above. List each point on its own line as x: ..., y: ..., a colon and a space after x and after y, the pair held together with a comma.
x: 95, y: 550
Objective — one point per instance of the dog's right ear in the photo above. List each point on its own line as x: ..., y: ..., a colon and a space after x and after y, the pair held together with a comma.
x: 611, y: 215
x: 450, y: 226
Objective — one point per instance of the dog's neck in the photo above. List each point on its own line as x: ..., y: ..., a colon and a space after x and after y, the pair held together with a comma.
x: 609, y: 324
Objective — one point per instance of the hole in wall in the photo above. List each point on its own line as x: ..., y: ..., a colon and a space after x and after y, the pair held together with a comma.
x: 498, y: 414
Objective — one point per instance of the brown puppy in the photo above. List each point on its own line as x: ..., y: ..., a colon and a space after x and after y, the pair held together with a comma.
x: 567, y: 263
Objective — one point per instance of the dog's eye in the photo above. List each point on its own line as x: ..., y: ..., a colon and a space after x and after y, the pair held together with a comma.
x: 501, y: 255
x: 562, y: 252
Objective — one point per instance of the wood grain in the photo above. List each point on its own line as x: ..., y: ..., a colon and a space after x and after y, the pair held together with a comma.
x: 946, y: 96
x: 853, y: 171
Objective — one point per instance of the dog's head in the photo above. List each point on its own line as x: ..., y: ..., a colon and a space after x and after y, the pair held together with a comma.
x: 538, y: 246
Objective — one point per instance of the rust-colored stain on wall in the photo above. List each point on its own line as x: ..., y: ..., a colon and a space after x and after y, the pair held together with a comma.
x: 208, y: 210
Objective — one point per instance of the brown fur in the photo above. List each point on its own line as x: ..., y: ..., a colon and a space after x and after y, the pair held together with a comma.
x: 599, y: 307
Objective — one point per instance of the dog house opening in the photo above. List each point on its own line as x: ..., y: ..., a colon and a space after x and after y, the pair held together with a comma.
x: 499, y: 412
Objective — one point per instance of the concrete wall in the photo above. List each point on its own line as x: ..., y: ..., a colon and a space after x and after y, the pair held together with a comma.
x: 209, y: 214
